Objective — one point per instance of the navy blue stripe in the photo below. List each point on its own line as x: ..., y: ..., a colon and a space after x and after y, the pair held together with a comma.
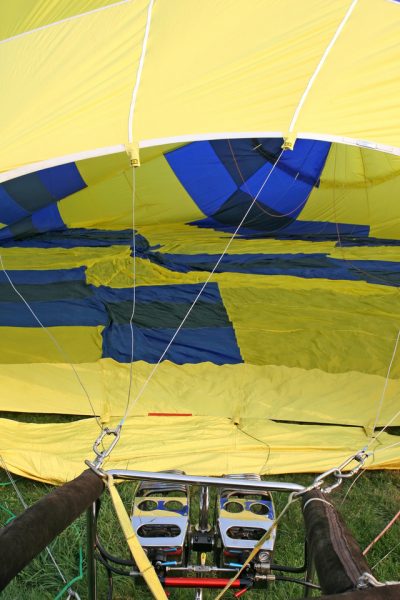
x: 243, y: 158
x: 41, y: 277
x: 60, y: 290
x: 323, y: 230
x: 247, y: 158
x: 53, y: 314
x: 75, y: 238
x: 10, y: 211
x: 309, y: 266
x: 31, y: 192
x: 231, y: 213
x: 48, y: 219
x: 350, y: 235
x: 217, y: 345
x: 179, y: 294
x: 170, y: 314
x: 202, y: 174
x: 284, y: 194
x: 62, y: 181
x: 286, y: 228
x: 213, y: 173
x: 19, y: 230
x: 26, y: 229
x: 28, y: 191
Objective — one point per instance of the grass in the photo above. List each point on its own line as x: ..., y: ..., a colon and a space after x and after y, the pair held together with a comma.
x: 370, y: 505
x: 367, y: 508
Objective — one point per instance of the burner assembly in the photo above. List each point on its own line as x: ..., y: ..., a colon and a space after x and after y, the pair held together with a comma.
x: 160, y: 519
x: 200, y: 532
x: 243, y: 518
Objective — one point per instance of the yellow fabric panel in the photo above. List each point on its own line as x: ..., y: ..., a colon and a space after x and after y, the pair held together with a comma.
x: 160, y: 197
x: 232, y: 68
x: 55, y: 452
x: 260, y: 392
x: 19, y: 16
x: 69, y: 86
x: 94, y: 170
x: 52, y: 388
x: 59, y: 258
x: 196, y: 84
x: 112, y: 199
x: 152, y: 152
x: 354, y: 95
x: 97, y: 169
x: 33, y: 345
x: 328, y: 330
x: 352, y: 253
x: 353, y: 167
x: 117, y: 272
x: 181, y: 238
x: 358, y: 186
x: 184, y: 239
x: 107, y: 201
x: 149, y: 273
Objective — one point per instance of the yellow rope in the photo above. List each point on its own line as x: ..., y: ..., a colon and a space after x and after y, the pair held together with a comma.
x: 139, y: 556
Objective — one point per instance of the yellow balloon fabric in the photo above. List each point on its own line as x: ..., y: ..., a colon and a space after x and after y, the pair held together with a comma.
x: 288, y: 360
x: 305, y: 322
x: 114, y: 73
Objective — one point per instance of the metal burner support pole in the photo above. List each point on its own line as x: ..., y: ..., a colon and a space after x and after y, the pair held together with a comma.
x: 237, y: 484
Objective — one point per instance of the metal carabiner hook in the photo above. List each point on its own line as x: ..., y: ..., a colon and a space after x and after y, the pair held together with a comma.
x: 102, y: 454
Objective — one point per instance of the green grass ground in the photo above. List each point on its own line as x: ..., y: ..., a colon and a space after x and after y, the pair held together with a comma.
x: 369, y: 506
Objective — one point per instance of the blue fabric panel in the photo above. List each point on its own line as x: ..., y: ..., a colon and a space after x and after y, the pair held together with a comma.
x: 282, y: 192
x: 59, y: 290
x: 79, y: 238
x: 48, y: 219
x: 224, y: 176
x: 28, y: 191
x: 53, y: 314
x: 306, y: 159
x: 62, y: 181
x: 244, y: 232
x: 10, y: 211
x: 322, y: 230
x: 285, y: 228
x: 194, y: 343
x: 248, y: 161
x: 217, y: 345
x: 310, y: 266
x: 43, y: 277
x: 19, y: 230
x: 368, y: 241
x: 202, y: 174
x: 163, y: 293
x: 259, y: 218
